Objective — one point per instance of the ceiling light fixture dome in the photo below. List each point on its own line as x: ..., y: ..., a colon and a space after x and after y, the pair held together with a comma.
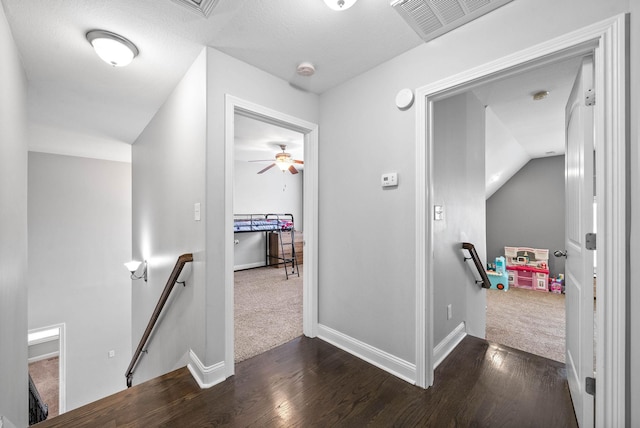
x: 340, y: 4
x: 112, y: 48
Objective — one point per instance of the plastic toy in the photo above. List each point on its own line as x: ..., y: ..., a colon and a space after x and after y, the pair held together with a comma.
x: 497, y: 273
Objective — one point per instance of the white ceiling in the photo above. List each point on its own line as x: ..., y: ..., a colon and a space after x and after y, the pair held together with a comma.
x: 256, y: 140
x: 71, y: 89
x: 537, y: 125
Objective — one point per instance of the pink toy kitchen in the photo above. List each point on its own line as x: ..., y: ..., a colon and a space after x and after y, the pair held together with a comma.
x: 528, y: 267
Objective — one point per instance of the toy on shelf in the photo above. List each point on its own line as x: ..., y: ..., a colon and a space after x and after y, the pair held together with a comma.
x: 497, y: 274
x: 528, y: 267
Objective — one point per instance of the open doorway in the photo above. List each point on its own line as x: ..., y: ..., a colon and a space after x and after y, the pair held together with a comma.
x: 525, y: 182
x: 607, y: 42
x: 47, y: 362
x: 268, y: 204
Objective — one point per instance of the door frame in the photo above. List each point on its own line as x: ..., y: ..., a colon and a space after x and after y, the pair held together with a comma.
x: 252, y: 110
x: 606, y: 41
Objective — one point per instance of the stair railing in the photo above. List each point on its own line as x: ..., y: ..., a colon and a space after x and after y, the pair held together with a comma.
x: 38, y: 410
x: 173, y: 279
x: 479, y: 266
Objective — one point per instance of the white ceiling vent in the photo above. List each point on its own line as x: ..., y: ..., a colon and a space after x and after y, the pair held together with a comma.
x: 201, y: 7
x: 433, y: 18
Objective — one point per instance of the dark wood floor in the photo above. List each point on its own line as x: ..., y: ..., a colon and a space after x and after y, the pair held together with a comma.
x: 308, y: 382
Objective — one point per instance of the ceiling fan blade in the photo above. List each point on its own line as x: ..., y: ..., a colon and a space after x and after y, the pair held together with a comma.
x: 292, y: 169
x: 298, y: 161
x: 261, y: 160
x: 269, y: 167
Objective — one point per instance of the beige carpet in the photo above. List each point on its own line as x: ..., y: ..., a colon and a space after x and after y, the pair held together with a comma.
x: 268, y: 310
x: 45, y: 376
x: 529, y: 320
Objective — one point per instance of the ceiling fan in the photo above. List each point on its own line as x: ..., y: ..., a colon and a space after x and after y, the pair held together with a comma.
x: 283, y: 161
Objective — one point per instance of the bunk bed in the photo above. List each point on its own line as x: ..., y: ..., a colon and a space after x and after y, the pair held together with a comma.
x: 273, y: 226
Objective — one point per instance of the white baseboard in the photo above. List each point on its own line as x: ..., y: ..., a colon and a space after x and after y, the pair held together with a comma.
x: 205, y: 376
x: 250, y: 265
x: 381, y: 359
x: 447, y: 345
x: 43, y: 357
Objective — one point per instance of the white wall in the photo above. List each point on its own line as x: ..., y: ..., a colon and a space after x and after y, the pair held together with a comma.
x: 274, y: 192
x: 13, y: 231
x: 79, y: 236
x: 504, y: 156
x: 226, y: 75
x: 367, y: 272
x: 458, y: 186
x: 168, y: 161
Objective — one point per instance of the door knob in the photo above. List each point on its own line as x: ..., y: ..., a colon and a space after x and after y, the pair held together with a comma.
x: 559, y: 253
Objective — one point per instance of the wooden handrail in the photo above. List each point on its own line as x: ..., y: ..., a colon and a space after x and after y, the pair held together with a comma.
x: 476, y: 260
x: 173, y: 278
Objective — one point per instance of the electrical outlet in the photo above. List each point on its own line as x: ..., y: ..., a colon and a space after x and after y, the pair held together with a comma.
x: 449, y: 311
x: 112, y: 353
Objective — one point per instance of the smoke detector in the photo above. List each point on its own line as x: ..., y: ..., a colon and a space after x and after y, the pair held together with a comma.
x: 540, y: 95
x: 305, y: 69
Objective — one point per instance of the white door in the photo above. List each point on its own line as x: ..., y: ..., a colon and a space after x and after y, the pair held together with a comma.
x: 579, y: 160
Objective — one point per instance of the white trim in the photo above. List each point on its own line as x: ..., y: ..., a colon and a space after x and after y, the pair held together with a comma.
x: 42, y: 357
x: 606, y: 40
x: 379, y: 358
x: 249, y: 266
x: 310, y: 213
x: 206, y: 376
x: 448, y: 344
x: 62, y: 361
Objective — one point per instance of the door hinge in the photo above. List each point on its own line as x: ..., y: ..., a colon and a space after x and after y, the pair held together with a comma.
x: 590, y: 386
x: 590, y: 97
x: 590, y: 241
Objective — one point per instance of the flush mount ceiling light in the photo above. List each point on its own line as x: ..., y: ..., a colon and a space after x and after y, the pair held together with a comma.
x: 340, y: 4
x: 540, y: 95
x: 112, y: 48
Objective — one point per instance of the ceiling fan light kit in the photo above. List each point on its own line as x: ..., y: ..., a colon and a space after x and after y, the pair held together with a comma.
x: 283, y: 161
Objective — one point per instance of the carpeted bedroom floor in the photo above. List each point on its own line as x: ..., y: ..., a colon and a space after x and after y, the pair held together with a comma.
x: 533, y: 321
x: 268, y: 310
x: 268, y: 313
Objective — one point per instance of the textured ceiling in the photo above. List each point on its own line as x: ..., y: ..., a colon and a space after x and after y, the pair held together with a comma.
x: 71, y: 88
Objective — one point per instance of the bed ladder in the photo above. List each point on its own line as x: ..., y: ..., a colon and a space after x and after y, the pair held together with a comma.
x: 289, y: 262
x: 293, y: 259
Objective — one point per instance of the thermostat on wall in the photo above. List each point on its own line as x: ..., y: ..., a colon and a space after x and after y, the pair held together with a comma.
x: 390, y: 179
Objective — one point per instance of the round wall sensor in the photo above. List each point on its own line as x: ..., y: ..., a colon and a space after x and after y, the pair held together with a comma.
x: 404, y: 99
x: 305, y: 69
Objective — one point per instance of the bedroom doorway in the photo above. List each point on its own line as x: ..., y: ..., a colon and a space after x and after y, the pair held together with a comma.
x: 268, y: 235
x: 293, y: 189
x: 525, y: 176
x: 606, y: 41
